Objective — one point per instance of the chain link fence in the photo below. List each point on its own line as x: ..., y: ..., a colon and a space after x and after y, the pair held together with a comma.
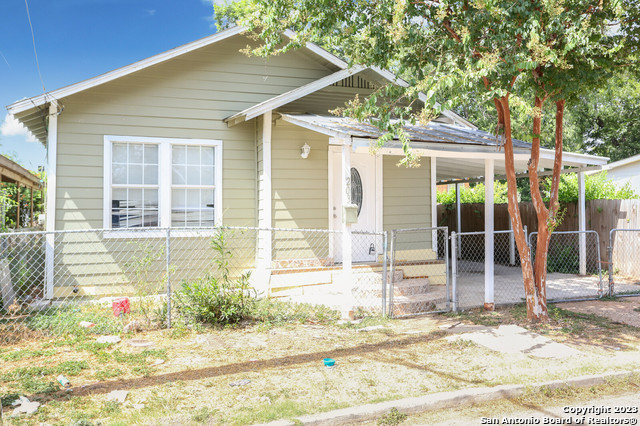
x: 574, y: 265
x: 624, y: 262
x: 54, y: 283
x: 468, y: 270
x: 419, y: 273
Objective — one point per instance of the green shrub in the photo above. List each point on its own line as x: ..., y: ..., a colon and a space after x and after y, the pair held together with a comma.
x: 217, y: 298
x: 562, y: 259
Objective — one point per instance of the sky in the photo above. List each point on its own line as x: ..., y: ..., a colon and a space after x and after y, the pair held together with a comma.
x: 79, y: 39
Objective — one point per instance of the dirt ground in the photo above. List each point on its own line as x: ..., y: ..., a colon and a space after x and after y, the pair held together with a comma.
x: 254, y: 373
x: 624, y: 310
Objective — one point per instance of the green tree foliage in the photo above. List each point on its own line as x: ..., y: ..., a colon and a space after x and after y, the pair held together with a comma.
x: 607, y: 121
x: 228, y: 13
x: 474, y: 194
x: 597, y: 187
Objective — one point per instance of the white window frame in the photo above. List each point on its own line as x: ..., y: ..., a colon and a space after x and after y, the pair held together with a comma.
x: 164, y: 175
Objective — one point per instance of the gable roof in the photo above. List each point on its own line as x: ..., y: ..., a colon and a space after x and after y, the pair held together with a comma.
x: 32, y: 113
x: 302, y: 91
x: 623, y: 162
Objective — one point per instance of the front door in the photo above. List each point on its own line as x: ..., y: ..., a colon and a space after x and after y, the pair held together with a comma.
x: 363, y: 194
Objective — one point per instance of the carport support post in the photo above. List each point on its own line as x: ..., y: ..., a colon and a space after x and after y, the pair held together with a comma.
x: 582, y: 225
x: 488, y: 235
x: 434, y: 206
x: 347, y: 252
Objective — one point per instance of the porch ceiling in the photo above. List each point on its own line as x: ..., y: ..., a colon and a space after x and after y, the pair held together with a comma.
x: 460, y: 152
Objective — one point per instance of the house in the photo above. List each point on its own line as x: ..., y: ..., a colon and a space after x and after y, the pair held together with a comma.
x: 625, y: 171
x: 204, y: 135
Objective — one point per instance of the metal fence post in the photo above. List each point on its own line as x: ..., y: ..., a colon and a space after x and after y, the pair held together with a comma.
x: 601, y: 290
x: 168, y: 255
x: 393, y: 270
x: 454, y: 273
x: 385, y: 258
x: 610, y: 264
x: 446, y: 264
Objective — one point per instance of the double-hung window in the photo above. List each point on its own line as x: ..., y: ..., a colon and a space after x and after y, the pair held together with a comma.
x: 162, y: 182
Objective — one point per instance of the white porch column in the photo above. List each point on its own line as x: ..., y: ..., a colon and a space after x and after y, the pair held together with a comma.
x: 345, y: 190
x: 489, y: 237
x: 265, y: 204
x: 458, y: 219
x: 434, y: 205
x: 50, y: 208
x: 582, y: 224
x: 347, y: 251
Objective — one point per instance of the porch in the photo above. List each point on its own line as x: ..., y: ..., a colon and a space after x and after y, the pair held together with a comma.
x: 362, y: 204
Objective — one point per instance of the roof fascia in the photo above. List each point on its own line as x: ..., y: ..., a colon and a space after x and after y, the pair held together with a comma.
x: 623, y: 162
x: 315, y: 128
x: 574, y: 158
x: 319, y: 51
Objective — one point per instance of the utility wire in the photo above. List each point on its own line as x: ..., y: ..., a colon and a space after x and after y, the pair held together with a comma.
x: 33, y: 39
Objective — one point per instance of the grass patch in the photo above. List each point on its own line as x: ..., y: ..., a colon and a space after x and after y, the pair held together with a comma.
x: 203, y: 414
x: 286, y: 409
x: 272, y: 313
x: 26, y: 354
x: 65, y: 320
x: 392, y: 418
x: 108, y: 373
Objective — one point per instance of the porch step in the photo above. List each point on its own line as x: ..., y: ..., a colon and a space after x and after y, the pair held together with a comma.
x: 411, y: 286
x: 420, y: 303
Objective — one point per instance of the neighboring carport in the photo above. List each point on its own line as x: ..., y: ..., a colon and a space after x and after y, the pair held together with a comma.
x: 13, y: 173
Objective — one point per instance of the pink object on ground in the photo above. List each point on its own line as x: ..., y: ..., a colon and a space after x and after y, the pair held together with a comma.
x: 86, y: 324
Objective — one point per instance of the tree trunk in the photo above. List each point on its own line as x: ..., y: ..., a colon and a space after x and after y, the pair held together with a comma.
x: 542, y: 244
x: 534, y: 310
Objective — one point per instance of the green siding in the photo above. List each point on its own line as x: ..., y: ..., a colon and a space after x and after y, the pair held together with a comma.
x: 185, y: 97
x: 407, y: 201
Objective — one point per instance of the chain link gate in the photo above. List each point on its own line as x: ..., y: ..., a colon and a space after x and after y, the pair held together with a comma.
x: 468, y: 269
x: 574, y: 265
x: 624, y: 262
x: 419, y: 272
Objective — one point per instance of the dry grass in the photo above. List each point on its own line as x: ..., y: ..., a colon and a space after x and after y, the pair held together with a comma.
x: 405, y: 358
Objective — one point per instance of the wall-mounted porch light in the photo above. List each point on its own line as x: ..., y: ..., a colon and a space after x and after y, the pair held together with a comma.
x: 305, y: 150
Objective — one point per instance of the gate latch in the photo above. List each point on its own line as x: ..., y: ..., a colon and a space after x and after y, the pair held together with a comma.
x: 372, y: 249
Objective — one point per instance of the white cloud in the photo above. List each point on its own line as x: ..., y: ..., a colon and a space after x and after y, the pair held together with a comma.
x: 150, y: 12
x: 12, y: 127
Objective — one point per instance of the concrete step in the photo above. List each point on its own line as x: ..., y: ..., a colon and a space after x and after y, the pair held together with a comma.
x: 411, y: 286
x: 419, y: 303
x: 401, y: 287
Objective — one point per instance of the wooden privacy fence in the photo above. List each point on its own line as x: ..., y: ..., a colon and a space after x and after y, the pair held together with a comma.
x: 601, y: 216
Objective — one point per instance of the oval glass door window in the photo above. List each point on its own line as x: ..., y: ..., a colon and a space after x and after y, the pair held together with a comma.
x: 356, y: 189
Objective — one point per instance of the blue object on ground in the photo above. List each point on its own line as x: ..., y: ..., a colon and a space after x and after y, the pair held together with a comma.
x: 329, y: 362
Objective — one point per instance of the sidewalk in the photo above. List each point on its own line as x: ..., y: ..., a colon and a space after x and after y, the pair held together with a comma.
x: 441, y: 400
